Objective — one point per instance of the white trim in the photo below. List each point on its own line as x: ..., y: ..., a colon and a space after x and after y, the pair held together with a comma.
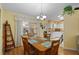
x: 74, y: 49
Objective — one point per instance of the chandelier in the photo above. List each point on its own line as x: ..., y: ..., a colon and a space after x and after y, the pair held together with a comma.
x: 41, y: 16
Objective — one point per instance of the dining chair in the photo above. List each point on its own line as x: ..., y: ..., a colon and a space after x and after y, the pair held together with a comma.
x: 61, y: 38
x: 48, y: 51
x: 47, y: 36
x: 28, y: 48
x: 55, y: 47
x: 53, y: 50
x: 25, y: 45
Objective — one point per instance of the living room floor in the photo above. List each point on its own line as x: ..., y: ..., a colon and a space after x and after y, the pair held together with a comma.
x: 19, y: 51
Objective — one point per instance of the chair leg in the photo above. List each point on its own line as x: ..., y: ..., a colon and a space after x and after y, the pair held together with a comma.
x: 24, y: 53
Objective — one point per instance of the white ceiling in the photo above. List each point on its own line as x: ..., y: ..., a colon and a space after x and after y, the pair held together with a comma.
x: 51, y: 10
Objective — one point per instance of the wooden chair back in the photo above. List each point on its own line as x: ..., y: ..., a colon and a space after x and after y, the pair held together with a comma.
x: 61, y: 38
x: 55, y: 47
x: 25, y: 44
x: 48, y: 52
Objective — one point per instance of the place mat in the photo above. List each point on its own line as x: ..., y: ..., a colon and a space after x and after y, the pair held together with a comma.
x: 32, y: 41
x: 34, y: 35
x: 54, y: 39
x: 45, y: 39
x: 46, y: 44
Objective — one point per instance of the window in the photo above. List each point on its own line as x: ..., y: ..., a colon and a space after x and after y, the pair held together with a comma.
x: 57, y: 25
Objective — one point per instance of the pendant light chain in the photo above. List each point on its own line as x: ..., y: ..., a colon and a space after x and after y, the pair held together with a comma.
x: 41, y: 16
x: 41, y: 10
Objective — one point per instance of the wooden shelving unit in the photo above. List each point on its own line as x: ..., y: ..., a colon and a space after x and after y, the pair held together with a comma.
x: 8, y: 41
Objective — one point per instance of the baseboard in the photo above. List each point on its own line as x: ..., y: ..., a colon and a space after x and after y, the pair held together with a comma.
x: 0, y: 52
x: 18, y: 46
x: 74, y: 49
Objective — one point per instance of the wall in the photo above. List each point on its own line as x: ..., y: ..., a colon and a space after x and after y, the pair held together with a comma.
x: 71, y: 25
x: 12, y: 18
x: 0, y: 32
x: 9, y: 16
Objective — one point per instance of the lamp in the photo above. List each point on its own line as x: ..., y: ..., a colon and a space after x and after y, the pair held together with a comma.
x: 41, y: 16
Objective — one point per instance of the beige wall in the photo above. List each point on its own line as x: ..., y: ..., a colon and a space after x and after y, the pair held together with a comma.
x: 6, y: 15
x: 71, y: 25
x: 0, y: 32
x: 9, y: 16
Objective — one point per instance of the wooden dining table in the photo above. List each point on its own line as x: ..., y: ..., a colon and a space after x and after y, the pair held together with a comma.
x: 40, y: 43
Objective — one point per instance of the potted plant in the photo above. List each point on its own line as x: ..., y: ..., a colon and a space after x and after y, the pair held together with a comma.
x: 68, y: 10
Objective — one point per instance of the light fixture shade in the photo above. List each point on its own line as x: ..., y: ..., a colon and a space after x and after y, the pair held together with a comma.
x: 44, y: 17
x: 38, y: 17
x: 41, y: 18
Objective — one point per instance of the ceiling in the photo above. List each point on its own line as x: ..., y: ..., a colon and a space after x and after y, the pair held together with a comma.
x: 51, y: 10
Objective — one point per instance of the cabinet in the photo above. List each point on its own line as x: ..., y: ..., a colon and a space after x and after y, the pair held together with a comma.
x: 56, y: 25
